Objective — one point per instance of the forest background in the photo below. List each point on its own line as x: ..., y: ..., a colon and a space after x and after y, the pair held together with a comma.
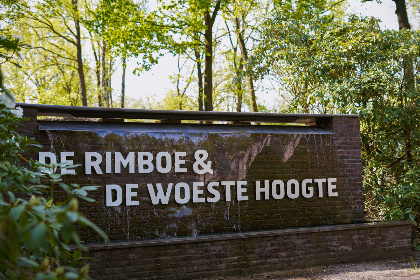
x: 318, y: 58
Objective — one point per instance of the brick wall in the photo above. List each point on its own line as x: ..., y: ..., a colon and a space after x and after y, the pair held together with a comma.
x: 246, y: 253
x: 247, y: 156
x: 212, y: 239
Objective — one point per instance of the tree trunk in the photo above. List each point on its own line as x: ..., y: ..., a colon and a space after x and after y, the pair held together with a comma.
x: 403, y: 23
x: 97, y: 71
x: 108, y: 80
x: 123, y: 81
x: 401, y: 12
x: 104, y: 74
x: 200, y: 80
x: 80, y: 70
x: 178, y: 90
x: 248, y: 71
x: 208, y: 67
x: 98, y: 82
x: 239, y: 85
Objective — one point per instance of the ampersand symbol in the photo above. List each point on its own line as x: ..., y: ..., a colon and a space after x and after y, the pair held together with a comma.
x: 200, y: 157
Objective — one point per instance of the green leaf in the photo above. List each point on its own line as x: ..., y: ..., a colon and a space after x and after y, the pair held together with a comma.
x: 65, y: 188
x: 54, y: 176
x: 41, y: 186
x: 42, y: 276
x: 16, y: 212
x: 25, y: 262
x: 2, y: 203
x: 80, y: 192
x: 77, y: 255
x: 72, y: 166
x: 90, y: 188
x: 11, y: 196
x: 411, y: 217
x: 87, y: 198
x: 72, y: 216
x: 67, y: 230
x: 71, y: 275
x: 38, y: 235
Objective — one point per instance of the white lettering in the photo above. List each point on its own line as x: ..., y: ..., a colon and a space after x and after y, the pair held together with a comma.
x: 214, y: 192
x: 109, y: 189
x: 332, y: 187
x: 179, y: 161
x: 63, y: 159
x: 129, y: 194
x: 42, y: 156
x: 197, y: 192
x: 320, y: 182
x: 290, y: 194
x: 186, y: 188
x: 307, y: 192
x: 108, y: 162
x: 259, y: 190
x: 240, y: 190
x: 142, y: 162
x: 228, y: 184
x: 89, y: 163
x: 159, y: 166
x: 160, y: 196
x: 200, y: 156
x: 274, y: 189
x: 120, y: 160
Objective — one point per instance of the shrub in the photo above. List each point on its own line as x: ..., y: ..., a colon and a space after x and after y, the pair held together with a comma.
x: 36, y: 230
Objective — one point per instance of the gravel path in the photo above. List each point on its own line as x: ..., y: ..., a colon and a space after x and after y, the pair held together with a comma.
x: 386, y: 269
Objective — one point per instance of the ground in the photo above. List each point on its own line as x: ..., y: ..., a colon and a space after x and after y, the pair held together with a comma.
x: 376, y: 270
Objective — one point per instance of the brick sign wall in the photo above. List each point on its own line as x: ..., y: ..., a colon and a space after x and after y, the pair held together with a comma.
x: 173, y: 180
x: 182, y: 201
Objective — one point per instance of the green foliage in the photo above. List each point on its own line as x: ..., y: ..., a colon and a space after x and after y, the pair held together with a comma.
x: 8, y: 49
x: 36, y: 229
x: 46, y: 72
x: 186, y: 18
x: 129, y: 30
x: 335, y: 66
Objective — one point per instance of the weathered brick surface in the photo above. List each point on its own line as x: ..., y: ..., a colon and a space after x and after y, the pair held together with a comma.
x: 235, y: 156
x: 30, y: 126
x: 253, y: 252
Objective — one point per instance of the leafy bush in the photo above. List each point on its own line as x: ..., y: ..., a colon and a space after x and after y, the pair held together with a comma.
x: 35, y: 229
x: 331, y: 65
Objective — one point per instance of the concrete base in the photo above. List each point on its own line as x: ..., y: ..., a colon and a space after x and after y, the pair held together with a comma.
x: 251, y: 252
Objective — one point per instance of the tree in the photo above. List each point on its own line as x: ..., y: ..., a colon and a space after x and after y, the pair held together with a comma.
x: 290, y: 35
x: 55, y: 35
x: 237, y: 12
x: 199, y: 78
x: 8, y: 49
x: 42, y: 76
x: 78, y: 43
x: 237, y: 63
x: 124, y: 29
x: 62, y: 20
x: 355, y: 67
x: 209, y: 19
x: 409, y: 80
x: 190, y: 20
